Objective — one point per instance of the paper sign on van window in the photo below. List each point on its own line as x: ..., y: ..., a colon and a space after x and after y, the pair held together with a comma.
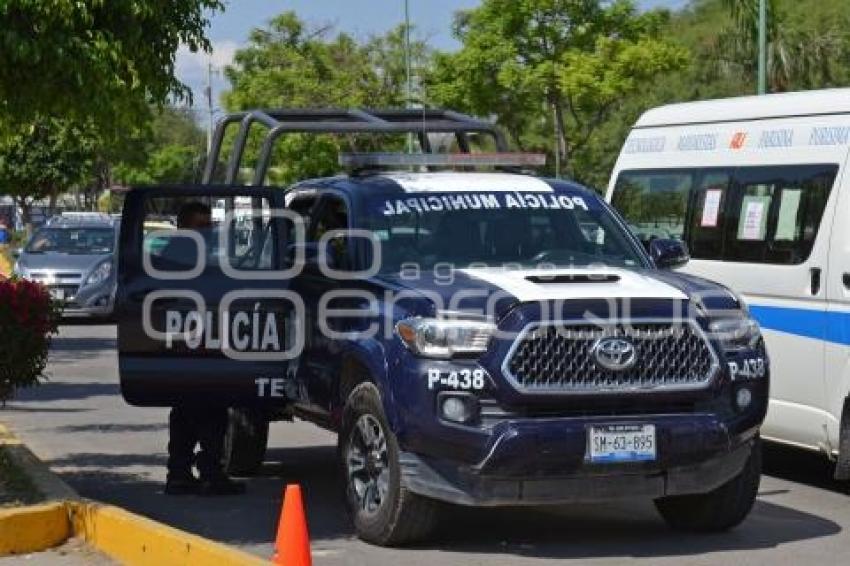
x: 711, y: 208
x: 753, y: 221
x: 789, y: 205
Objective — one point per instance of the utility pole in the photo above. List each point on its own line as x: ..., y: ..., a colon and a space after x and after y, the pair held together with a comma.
x: 762, y: 78
x: 558, y: 137
x: 208, y: 94
x: 409, y: 86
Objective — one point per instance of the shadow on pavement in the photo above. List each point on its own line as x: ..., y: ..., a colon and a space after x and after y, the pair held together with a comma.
x: 801, y: 466
x: 25, y: 409
x: 66, y: 391
x: 107, y: 461
x: 615, y: 531
x: 579, y: 531
x: 109, y: 428
x: 85, y: 321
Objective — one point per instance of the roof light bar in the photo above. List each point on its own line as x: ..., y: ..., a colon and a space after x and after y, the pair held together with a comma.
x: 377, y: 160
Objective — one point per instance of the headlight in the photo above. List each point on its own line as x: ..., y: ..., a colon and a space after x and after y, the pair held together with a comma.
x: 100, y: 274
x: 437, y: 338
x: 736, y: 334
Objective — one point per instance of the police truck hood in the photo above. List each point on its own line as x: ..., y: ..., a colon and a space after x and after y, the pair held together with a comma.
x: 471, y: 289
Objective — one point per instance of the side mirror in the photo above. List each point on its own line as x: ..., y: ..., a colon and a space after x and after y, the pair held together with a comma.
x: 669, y: 253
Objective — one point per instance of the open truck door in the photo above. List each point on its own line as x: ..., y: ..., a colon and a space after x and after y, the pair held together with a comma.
x: 205, y: 313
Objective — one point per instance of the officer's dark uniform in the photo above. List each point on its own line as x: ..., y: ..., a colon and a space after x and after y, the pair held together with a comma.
x: 194, y: 423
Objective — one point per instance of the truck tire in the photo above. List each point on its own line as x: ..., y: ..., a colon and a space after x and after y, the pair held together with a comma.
x: 245, y: 441
x: 383, y: 511
x: 719, y: 509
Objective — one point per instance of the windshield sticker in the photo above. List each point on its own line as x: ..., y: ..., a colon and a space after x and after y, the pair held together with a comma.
x: 711, y: 208
x: 476, y: 201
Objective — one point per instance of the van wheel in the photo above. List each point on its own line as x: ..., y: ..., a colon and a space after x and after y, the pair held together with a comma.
x: 383, y: 512
x: 245, y: 441
x: 720, y: 509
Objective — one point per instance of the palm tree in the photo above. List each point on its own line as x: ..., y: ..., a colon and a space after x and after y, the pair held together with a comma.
x: 796, y: 59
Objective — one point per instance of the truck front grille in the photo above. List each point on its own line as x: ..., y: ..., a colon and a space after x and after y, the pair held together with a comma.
x: 559, y: 358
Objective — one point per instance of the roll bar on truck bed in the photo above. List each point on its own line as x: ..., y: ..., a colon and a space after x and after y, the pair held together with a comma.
x: 420, y: 122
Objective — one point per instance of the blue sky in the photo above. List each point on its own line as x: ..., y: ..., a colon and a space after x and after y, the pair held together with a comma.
x: 229, y: 30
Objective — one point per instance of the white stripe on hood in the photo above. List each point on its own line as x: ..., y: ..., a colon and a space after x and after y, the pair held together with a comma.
x: 630, y: 285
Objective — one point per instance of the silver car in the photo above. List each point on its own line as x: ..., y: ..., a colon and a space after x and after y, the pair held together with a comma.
x: 74, y: 256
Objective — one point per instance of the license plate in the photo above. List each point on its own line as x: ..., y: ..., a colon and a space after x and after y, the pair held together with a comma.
x: 621, y: 443
x: 58, y: 294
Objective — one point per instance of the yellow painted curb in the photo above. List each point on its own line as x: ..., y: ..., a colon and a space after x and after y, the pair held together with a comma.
x: 33, y: 528
x: 124, y: 536
x: 135, y: 540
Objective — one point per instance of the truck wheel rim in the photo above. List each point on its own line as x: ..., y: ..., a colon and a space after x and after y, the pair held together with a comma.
x: 367, y: 462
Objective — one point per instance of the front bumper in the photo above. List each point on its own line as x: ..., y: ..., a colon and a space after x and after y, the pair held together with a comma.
x: 692, y: 458
x: 92, y: 301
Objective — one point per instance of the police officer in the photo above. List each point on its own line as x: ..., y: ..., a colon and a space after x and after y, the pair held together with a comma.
x: 192, y: 423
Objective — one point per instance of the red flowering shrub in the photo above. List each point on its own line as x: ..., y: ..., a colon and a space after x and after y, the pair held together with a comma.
x: 28, y: 318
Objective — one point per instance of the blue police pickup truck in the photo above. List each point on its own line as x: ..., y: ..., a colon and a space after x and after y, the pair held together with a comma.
x: 474, y: 338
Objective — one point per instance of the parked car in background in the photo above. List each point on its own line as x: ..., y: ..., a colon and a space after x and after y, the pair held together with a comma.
x: 74, y: 256
x: 757, y: 188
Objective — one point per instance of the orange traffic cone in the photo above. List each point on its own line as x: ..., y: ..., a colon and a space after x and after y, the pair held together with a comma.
x: 292, y: 546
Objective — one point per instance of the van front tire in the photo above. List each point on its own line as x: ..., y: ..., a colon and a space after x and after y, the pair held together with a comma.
x: 720, y: 509
x: 383, y: 511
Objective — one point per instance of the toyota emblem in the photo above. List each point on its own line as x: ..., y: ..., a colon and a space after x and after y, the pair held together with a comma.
x: 614, y: 353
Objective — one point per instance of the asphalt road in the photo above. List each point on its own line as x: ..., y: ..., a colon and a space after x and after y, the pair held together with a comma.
x: 115, y: 453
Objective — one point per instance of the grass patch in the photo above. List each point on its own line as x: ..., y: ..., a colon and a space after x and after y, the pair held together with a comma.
x: 15, y: 487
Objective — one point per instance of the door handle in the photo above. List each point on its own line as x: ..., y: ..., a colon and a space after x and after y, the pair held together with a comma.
x: 846, y: 280
x: 815, y: 274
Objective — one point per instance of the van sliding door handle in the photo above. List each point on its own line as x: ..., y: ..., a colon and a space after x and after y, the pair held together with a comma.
x: 846, y: 280
x: 815, y: 273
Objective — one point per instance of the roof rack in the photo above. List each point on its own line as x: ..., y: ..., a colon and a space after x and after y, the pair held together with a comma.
x: 339, y: 121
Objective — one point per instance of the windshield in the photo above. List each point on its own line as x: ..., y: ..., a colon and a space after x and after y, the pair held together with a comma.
x: 80, y: 241
x: 498, y: 229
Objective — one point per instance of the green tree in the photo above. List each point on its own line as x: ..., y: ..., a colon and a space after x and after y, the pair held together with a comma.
x: 171, y: 150
x: 43, y: 159
x: 540, y: 65
x: 85, y: 59
x: 289, y: 65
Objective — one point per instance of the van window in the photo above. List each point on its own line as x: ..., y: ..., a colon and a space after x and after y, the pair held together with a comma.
x: 654, y: 202
x: 765, y: 214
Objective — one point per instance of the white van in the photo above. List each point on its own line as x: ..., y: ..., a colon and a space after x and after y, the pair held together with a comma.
x: 757, y: 188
